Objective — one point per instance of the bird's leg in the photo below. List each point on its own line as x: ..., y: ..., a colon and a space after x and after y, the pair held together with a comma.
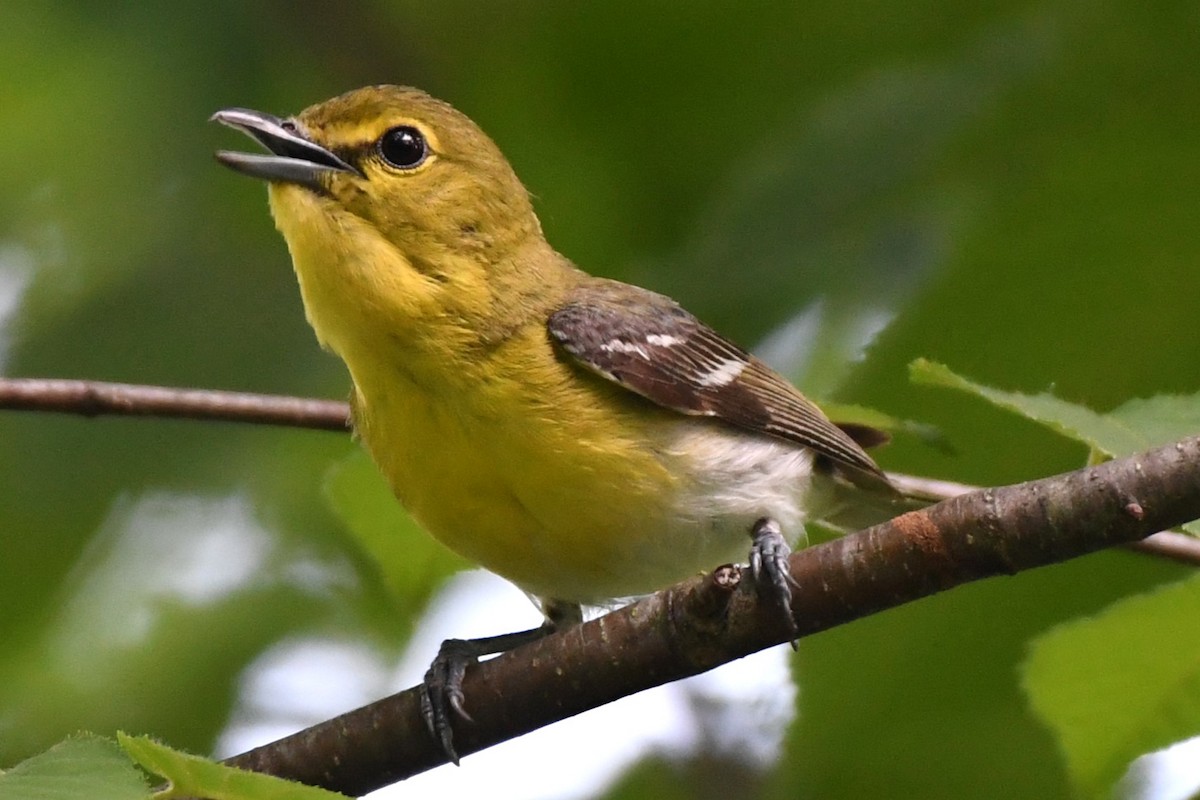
x: 442, y: 695
x: 769, y: 568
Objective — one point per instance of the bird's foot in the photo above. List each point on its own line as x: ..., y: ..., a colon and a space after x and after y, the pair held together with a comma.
x: 769, y: 568
x: 442, y: 696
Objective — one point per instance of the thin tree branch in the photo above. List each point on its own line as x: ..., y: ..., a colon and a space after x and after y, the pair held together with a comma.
x: 96, y: 398
x: 710, y: 620
x: 1171, y: 545
x: 934, y: 490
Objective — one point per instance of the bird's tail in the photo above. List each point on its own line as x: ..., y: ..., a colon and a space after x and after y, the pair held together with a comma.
x: 852, y: 508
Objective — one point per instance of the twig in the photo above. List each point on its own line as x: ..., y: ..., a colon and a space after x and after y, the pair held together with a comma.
x: 96, y: 398
x: 710, y: 620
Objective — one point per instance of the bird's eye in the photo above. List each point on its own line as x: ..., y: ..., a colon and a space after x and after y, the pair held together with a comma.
x: 403, y: 147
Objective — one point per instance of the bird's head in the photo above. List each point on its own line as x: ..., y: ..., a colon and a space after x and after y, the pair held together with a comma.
x: 410, y: 165
x: 390, y: 199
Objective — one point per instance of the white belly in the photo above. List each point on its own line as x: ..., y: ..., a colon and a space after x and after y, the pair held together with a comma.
x: 734, y: 480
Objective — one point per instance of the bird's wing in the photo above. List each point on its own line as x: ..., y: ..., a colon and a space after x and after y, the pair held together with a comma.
x: 650, y: 345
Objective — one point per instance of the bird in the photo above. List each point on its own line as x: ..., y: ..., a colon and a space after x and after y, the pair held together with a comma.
x: 586, y: 439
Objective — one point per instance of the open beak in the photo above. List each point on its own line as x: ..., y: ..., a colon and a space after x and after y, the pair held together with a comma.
x: 293, y: 158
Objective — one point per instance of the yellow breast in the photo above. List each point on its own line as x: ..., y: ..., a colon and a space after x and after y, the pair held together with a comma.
x: 561, y: 481
x: 527, y: 473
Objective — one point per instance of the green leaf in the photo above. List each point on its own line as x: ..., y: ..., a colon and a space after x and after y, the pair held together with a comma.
x: 1130, y: 428
x: 82, y: 766
x: 1120, y: 684
x: 193, y: 776
x: 1073, y: 421
x: 1162, y: 418
x: 1135, y: 426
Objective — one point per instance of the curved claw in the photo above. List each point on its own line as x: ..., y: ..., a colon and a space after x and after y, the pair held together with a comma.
x: 442, y: 697
x: 443, y: 692
x: 769, y: 568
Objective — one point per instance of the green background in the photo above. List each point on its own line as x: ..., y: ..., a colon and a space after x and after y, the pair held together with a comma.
x: 1009, y: 188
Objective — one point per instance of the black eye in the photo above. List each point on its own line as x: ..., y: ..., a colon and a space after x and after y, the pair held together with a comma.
x: 403, y: 147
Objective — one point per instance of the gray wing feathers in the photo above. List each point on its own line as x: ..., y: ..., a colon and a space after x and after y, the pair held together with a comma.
x: 649, y: 344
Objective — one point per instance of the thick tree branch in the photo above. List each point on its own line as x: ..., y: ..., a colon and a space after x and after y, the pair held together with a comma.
x: 1164, y: 544
x: 710, y: 620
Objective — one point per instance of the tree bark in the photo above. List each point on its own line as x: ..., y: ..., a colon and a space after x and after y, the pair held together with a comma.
x: 710, y: 620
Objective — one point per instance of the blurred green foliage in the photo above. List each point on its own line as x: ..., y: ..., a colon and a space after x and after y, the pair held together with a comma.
x: 1009, y: 188
x: 1145, y: 697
